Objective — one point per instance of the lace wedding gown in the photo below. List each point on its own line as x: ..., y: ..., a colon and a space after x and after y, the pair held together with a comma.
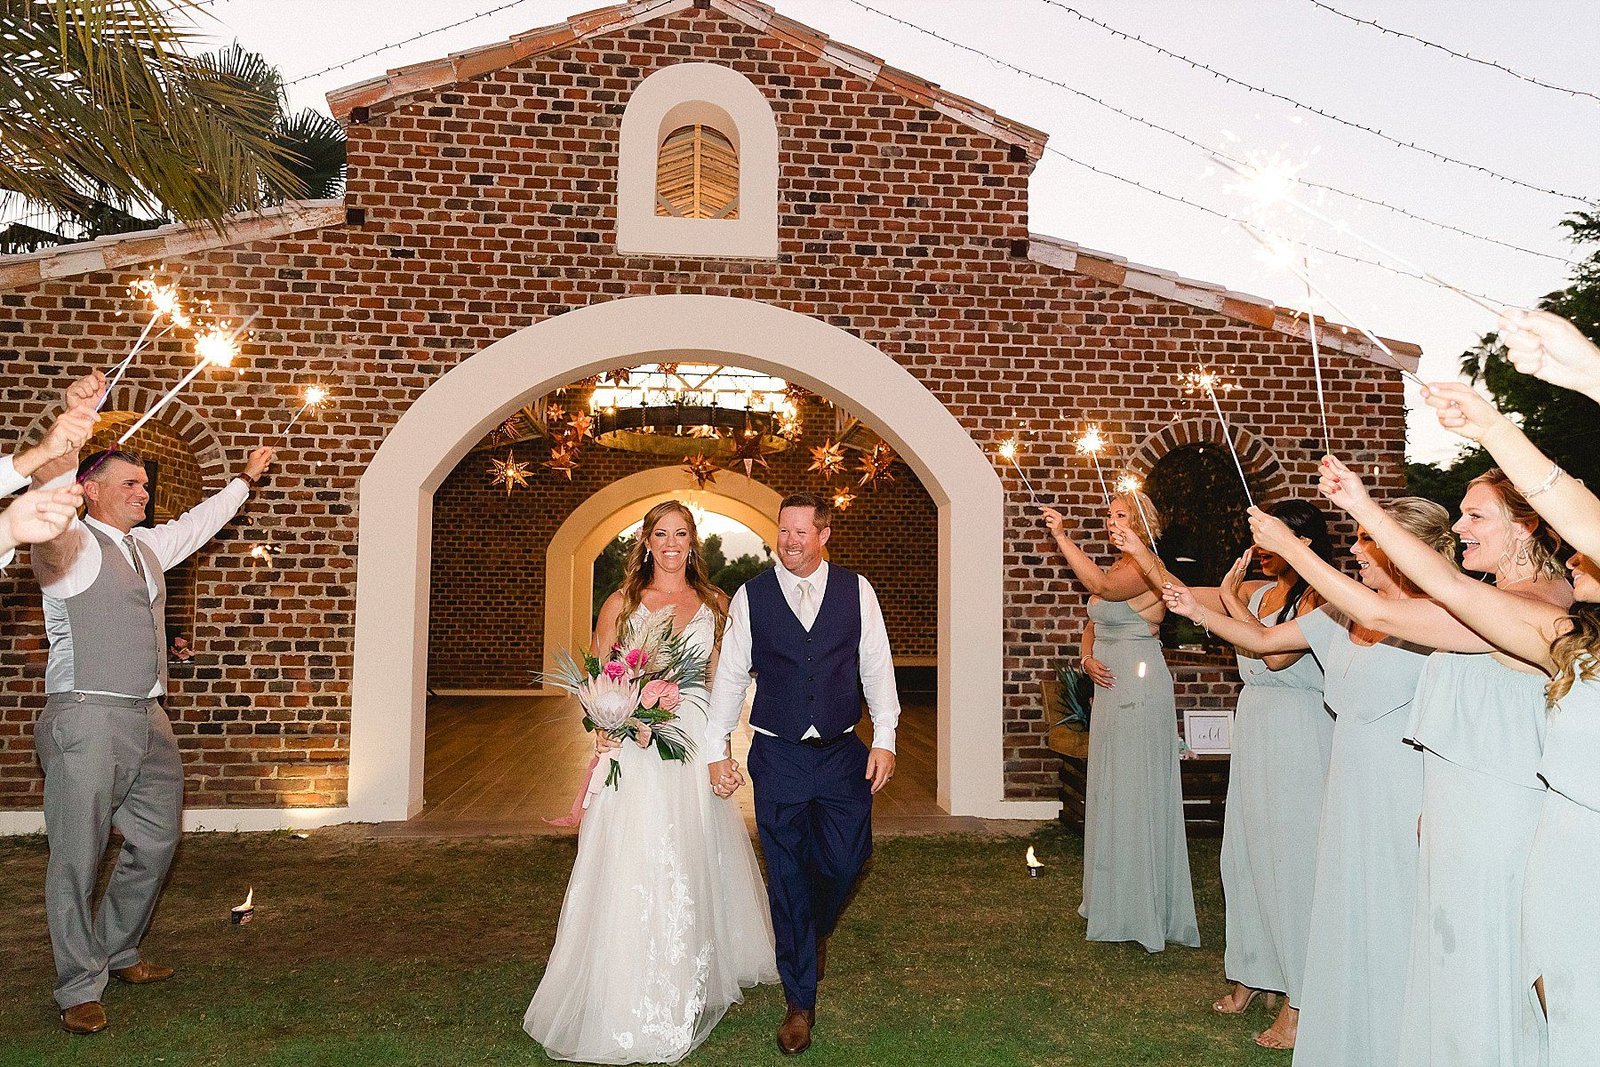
x: 665, y: 919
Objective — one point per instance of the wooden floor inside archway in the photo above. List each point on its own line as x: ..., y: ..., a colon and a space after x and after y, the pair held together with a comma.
x: 501, y: 765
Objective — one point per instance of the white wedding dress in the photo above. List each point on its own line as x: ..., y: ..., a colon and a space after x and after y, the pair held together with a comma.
x: 665, y: 919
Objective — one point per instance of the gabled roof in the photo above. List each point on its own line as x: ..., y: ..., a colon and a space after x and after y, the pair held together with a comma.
x: 177, y: 239
x: 386, y: 92
x: 1210, y: 296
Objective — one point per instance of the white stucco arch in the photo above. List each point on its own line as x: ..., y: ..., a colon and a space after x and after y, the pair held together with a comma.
x: 569, y: 560
x: 431, y: 437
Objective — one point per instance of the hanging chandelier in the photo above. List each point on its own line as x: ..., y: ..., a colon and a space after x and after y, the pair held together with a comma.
x: 679, y: 410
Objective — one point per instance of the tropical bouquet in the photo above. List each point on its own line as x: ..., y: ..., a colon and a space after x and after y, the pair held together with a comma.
x: 634, y: 694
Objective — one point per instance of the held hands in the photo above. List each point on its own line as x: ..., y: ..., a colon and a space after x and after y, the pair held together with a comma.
x: 1552, y: 349
x: 41, y: 515
x: 1462, y: 411
x: 880, y: 767
x: 258, y: 462
x: 725, y: 777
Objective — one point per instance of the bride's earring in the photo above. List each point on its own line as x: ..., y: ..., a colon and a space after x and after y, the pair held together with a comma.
x: 1525, y: 553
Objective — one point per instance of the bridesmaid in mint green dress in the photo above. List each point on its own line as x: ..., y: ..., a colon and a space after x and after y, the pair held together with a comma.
x: 1480, y: 724
x: 1360, y: 922
x: 1136, y: 883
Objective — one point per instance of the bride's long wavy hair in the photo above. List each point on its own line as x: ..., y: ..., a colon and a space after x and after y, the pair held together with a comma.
x: 640, y: 567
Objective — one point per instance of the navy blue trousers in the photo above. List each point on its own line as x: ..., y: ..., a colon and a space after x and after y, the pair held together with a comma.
x: 814, y: 816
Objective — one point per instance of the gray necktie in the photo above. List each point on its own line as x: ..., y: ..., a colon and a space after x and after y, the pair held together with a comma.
x: 808, y: 607
x: 138, y: 564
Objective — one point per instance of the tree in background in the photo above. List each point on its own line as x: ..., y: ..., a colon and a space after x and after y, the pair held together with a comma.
x: 111, y: 125
x: 1563, y: 423
x: 727, y: 575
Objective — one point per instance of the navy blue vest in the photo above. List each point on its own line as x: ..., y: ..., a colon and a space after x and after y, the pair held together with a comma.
x: 806, y: 679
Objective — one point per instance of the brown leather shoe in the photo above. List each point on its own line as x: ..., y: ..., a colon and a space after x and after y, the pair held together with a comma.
x: 794, y: 1036
x: 822, y: 957
x: 142, y: 973
x: 86, y: 1018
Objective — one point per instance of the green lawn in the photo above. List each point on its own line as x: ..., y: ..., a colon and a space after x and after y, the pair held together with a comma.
x: 426, y: 952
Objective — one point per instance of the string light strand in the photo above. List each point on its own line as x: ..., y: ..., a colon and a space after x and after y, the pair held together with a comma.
x: 1373, y: 130
x: 1191, y: 142
x: 1330, y: 9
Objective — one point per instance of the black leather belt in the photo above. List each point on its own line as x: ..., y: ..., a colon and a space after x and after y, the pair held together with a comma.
x: 825, y: 742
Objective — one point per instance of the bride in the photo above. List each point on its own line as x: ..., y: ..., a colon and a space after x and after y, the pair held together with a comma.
x: 665, y: 919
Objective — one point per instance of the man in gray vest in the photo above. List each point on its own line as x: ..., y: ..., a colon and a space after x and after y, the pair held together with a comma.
x: 109, y: 757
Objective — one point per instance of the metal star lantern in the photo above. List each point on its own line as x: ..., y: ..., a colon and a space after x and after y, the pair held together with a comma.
x: 748, y: 451
x: 842, y: 499
x: 562, y: 460
x: 553, y: 412
x: 581, y: 425
x: 875, y: 466
x: 701, y: 469
x: 827, y: 459
x: 508, y: 472
x: 619, y: 376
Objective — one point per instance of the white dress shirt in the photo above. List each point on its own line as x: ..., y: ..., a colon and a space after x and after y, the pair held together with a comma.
x: 172, y: 542
x: 733, y: 668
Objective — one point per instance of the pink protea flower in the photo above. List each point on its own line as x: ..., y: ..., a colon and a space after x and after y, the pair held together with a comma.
x: 608, y: 701
x: 614, y: 669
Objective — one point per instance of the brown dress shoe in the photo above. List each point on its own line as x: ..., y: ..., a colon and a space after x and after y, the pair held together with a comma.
x: 86, y: 1018
x: 822, y: 957
x: 794, y: 1036
x: 142, y: 973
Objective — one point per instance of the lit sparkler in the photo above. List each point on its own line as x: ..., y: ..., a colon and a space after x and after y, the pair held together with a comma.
x: 1091, y: 444
x: 1278, y: 253
x: 217, y: 346
x: 1271, y: 183
x: 1008, y: 452
x: 1129, y: 486
x: 165, y: 304
x: 1204, y: 380
x: 315, y: 397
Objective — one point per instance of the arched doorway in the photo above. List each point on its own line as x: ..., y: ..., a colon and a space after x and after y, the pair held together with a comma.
x: 388, y: 697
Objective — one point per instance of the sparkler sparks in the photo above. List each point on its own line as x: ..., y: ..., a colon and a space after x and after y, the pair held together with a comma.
x: 1204, y: 380
x: 1091, y: 444
x: 1008, y: 452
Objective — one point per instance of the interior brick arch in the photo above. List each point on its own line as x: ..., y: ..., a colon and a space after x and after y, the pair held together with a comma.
x: 1260, y: 463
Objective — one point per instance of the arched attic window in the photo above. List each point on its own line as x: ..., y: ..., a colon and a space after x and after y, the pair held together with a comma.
x: 697, y: 174
x: 697, y: 166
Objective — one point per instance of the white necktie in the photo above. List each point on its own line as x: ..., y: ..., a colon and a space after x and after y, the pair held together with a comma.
x: 808, y: 608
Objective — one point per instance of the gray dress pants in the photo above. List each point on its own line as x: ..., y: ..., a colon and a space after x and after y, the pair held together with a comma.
x: 108, y: 762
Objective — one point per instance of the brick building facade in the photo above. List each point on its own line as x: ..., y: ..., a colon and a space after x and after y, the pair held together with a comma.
x: 482, y: 201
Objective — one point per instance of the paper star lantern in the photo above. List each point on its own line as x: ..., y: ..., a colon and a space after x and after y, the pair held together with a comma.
x: 508, y: 472
x: 875, y: 466
x: 827, y: 459
x: 701, y: 469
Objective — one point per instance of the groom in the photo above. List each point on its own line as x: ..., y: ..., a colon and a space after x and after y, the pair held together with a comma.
x: 812, y: 636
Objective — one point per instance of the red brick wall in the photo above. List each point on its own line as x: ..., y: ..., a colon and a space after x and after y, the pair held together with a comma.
x: 489, y: 207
